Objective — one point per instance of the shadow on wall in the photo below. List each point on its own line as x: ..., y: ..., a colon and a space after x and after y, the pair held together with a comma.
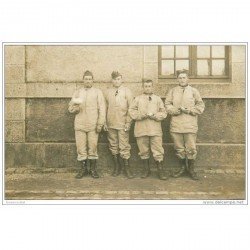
x: 48, y: 120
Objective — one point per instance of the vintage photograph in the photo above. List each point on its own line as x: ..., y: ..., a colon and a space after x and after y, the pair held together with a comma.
x: 125, y: 121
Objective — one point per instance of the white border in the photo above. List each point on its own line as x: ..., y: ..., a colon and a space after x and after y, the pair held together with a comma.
x: 127, y: 202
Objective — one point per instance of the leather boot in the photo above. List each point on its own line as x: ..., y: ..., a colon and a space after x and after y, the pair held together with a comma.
x: 83, y: 171
x: 120, y: 161
x: 93, y: 171
x: 117, y: 166
x: 161, y: 173
x: 146, y: 168
x: 191, y: 171
x: 127, y: 168
x: 182, y: 169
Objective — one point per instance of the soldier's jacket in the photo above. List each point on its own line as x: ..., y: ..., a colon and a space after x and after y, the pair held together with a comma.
x: 144, y: 104
x: 91, y: 112
x: 187, y: 97
x: 118, y: 101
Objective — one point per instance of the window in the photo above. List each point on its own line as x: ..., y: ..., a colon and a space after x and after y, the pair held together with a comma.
x: 203, y: 61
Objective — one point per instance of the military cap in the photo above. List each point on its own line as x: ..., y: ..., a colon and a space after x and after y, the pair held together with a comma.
x: 88, y: 73
x: 146, y: 80
x: 115, y: 74
x: 182, y: 71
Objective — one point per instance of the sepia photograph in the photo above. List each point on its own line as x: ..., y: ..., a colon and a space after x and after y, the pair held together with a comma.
x: 124, y: 125
x: 162, y: 122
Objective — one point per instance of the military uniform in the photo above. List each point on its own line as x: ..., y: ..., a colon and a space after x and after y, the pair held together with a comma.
x: 184, y: 126
x: 118, y: 101
x: 90, y: 113
x: 148, y: 131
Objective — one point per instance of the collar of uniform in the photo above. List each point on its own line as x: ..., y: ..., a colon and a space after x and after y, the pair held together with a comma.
x: 184, y: 87
x: 87, y: 89
x: 119, y: 88
x: 151, y: 95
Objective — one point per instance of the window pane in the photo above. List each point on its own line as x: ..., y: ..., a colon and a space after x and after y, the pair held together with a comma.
x: 167, y: 67
x: 203, y: 67
x: 203, y: 51
x: 167, y: 51
x: 182, y: 51
x: 182, y: 64
x: 218, y: 67
x: 218, y: 51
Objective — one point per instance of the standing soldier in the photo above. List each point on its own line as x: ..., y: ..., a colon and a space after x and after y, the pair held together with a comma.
x: 89, y: 106
x: 118, y: 122
x: 184, y: 104
x: 148, y: 111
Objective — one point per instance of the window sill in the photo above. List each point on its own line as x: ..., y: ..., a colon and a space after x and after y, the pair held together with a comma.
x: 225, y: 81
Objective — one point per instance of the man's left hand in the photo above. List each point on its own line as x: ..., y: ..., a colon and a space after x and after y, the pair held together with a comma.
x: 99, y: 128
x: 127, y: 127
x: 151, y: 116
x: 185, y: 110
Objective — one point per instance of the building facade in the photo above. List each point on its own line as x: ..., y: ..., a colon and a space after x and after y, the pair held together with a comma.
x: 40, y: 80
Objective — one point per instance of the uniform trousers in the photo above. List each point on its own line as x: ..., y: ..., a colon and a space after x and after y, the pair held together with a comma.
x: 153, y: 143
x: 185, y: 145
x: 119, y: 142
x: 86, y: 144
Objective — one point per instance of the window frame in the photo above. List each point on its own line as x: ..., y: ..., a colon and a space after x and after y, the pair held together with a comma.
x: 193, y: 62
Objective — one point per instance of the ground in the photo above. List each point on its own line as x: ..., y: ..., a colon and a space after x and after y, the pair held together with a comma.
x: 213, y: 185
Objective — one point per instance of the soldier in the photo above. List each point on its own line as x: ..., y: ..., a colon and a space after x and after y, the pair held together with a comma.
x: 148, y: 111
x: 118, y: 122
x: 184, y: 104
x: 89, y: 106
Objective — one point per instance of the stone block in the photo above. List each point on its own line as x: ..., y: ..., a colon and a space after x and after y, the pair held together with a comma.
x: 48, y: 120
x: 207, y: 90
x: 221, y: 156
x: 24, y: 155
x: 223, y: 121
x: 67, y: 63
x: 151, y: 71
x: 14, y: 74
x: 14, y: 131
x: 14, y: 54
x: 14, y: 109
x: 151, y: 53
x: 239, y: 73
x: 50, y: 90
x: 15, y: 90
x: 60, y: 155
x: 239, y: 53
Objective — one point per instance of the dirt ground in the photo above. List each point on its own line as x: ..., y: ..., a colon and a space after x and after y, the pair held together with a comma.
x: 63, y: 186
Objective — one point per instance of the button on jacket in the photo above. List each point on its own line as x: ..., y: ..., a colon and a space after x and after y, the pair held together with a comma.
x: 187, y: 97
x: 144, y: 104
x: 92, y: 110
x: 118, y: 101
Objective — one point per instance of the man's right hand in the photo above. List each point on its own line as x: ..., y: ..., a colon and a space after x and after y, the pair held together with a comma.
x: 175, y: 111
x: 144, y: 116
x: 178, y: 112
x: 105, y: 127
x: 76, y: 108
